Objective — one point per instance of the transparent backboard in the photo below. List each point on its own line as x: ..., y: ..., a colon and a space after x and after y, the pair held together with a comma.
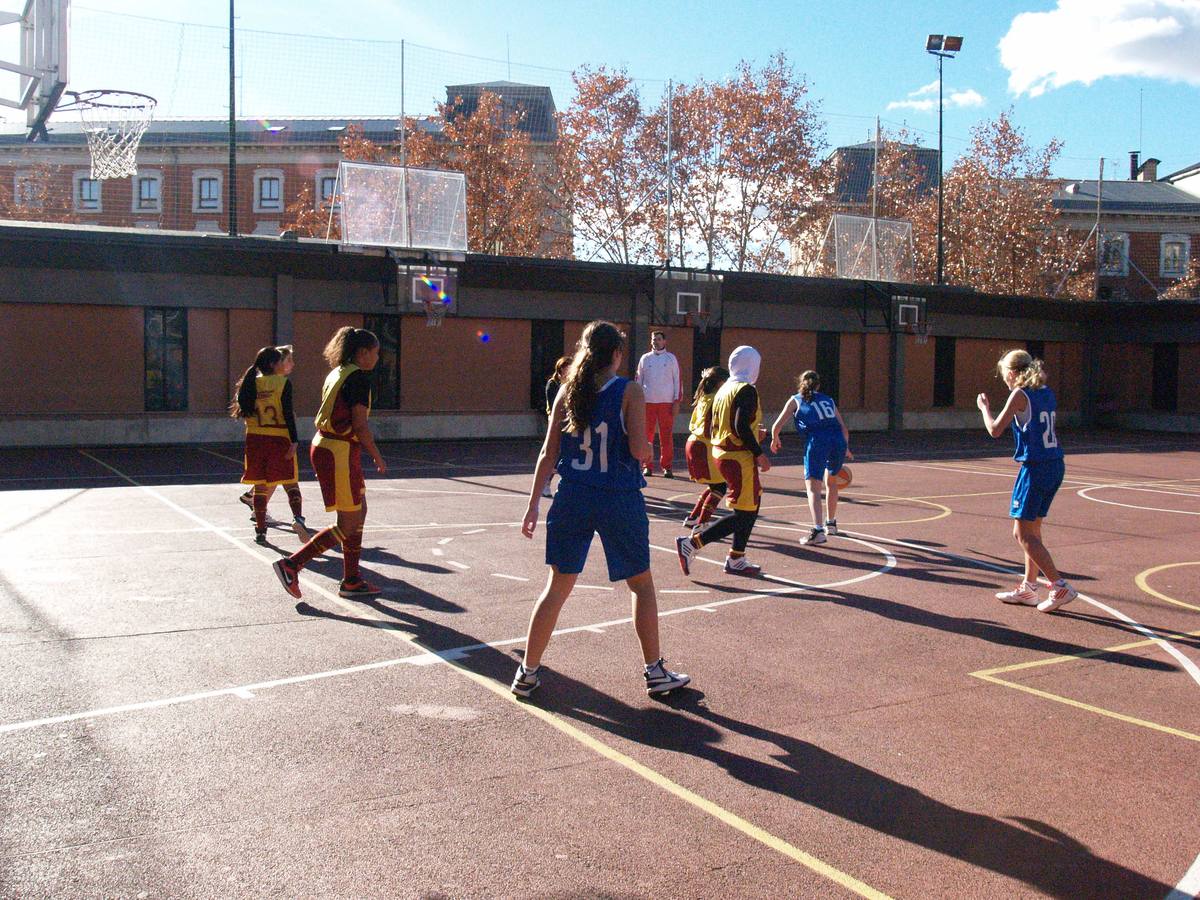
x: 34, y: 56
x: 872, y: 249
x: 394, y: 206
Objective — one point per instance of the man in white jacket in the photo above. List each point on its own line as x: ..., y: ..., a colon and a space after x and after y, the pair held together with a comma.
x: 658, y: 374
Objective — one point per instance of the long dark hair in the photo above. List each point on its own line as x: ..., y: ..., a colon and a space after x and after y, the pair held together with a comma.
x: 346, y: 342
x: 809, y: 381
x: 244, y: 400
x: 594, y: 353
x: 710, y: 379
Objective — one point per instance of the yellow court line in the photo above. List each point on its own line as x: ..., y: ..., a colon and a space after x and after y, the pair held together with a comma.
x: 656, y: 778
x: 1083, y: 654
x: 1140, y: 581
x: 1165, y: 729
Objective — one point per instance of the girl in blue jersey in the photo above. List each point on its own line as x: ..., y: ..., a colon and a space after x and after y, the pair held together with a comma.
x: 596, y: 440
x: 1030, y: 410
x: 827, y: 447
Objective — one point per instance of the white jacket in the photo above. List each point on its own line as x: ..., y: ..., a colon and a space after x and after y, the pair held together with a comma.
x: 658, y: 374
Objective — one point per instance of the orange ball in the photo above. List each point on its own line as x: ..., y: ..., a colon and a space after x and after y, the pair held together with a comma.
x: 843, y: 478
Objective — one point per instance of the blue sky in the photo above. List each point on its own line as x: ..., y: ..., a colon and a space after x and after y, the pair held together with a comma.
x: 1105, y: 76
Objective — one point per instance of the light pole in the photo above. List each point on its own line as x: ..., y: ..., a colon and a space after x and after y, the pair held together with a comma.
x: 943, y: 46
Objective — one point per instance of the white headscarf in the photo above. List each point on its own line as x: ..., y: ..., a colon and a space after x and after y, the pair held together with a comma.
x: 744, y: 362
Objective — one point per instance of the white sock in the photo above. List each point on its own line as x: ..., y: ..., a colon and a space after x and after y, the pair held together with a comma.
x: 527, y: 671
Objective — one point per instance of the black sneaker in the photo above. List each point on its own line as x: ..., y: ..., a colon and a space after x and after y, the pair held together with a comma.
x: 260, y: 538
x: 247, y: 498
x: 667, y: 473
x: 660, y: 679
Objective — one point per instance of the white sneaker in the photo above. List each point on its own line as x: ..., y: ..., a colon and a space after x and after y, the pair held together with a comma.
x: 737, y: 565
x: 660, y: 679
x: 1024, y: 594
x: 831, y: 527
x: 686, y: 550
x: 816, y: 536
x: 526, y: 681
x: 691, y: 521
x: 1061, y: 594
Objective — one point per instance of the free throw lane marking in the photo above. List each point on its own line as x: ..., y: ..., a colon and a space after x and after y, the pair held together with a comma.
x: 1084, y: 493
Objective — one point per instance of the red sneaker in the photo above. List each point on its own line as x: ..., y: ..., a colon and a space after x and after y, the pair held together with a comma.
x: 356, y: 587
x: 289, y: 576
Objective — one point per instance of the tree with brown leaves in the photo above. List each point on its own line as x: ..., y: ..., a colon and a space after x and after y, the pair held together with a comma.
x: 44, y: 196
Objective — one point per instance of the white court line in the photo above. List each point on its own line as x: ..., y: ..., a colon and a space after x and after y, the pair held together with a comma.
x: 475, y: 531
x: 438, y: 551
x: 458, y: 565
x: 593, y: 587
x: 509, y: 577
x: 445, y: 541
x: 676, y: 591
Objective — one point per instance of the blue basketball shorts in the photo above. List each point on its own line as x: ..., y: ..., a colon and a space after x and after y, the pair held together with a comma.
x: 1037, y: 483
x: 580, y: 511
x: 824, y: 453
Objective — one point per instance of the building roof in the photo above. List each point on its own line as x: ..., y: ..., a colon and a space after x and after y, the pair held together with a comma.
x: 1186, y: 172
x: 535, y: 101
x: 1128, y: 197
x: 855, y: 170
x: 67, y: 131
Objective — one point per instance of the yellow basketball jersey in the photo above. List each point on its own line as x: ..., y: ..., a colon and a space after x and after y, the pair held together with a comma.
x: 701, y: 424
x: 268, y: 415
x: 330, y: 418
x: 724, y: 440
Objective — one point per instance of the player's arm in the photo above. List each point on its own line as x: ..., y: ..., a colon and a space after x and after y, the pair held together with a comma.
x: 1015, y: 404
x: 678, y: 386
x: 633, y: 410
x: 845, y: 432
x: 547, y: 457
x: 745, y: 404
x: 289, y: 416
x: 786, y: 413
x: 358, y: 424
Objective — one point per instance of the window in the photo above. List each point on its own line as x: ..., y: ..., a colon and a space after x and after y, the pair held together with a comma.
x: 385, y: 377
x: 268, y: 190
x: 166, y: 359
x: 87, y: 192
x: 326, y: 187
x: 1173, y: 253
x: 206, y: 191
x: 829, y: 355
x: 1114, y: 253
x: 943, y: 371
x: 26, y: 190
x: 147, y: 192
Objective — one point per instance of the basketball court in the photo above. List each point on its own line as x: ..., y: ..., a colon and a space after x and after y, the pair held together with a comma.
x: 864, y: 719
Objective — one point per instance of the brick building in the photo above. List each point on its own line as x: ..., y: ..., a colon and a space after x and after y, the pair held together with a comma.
x: 1148, y: 230
x: 183, y: 167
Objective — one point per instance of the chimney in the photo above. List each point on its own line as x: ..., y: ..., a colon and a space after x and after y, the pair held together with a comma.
x: 1148, y: 171
x: 1133, y: 165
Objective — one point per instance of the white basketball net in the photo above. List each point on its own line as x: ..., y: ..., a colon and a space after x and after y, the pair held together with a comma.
x: 114, y: 122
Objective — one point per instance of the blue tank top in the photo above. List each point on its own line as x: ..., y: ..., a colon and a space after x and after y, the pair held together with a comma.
x: 818, y: 416
x: 1034, y: 436
x: 600, y: 456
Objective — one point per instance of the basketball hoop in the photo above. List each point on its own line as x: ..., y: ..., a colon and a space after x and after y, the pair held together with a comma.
x: 435, y: 311
x: 114, y: 122
x: 922, y: 330
x: 698, y: 320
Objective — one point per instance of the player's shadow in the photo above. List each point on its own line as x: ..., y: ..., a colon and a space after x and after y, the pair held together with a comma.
x: 981, y: 629
x: 396, y: 589
x: 1167, y: 634
x: 381, y: 556
x: 1032, y: 852
x: 932, y: 567
x: 1016, y: 566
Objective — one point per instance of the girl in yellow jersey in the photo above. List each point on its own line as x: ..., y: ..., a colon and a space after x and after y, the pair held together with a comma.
x: 736, y: 435
x: 264, y: 403
x: 702, y: 466
x: 342, y: 435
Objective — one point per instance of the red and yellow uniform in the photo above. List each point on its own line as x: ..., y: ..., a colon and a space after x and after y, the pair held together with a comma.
x: 336, y: 453
x: 736, y: 420
x: 702, y: 466
x: 270, y: 433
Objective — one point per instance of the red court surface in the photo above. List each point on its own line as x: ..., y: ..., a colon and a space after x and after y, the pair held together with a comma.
x: 864, y: 719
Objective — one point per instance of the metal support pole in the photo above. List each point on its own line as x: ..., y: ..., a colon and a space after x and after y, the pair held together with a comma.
x: 940, y: 256
x: 233, y: 222
x: 670, y: 179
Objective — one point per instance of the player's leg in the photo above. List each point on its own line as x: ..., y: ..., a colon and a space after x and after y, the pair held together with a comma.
x: 666, y: 438
x: 745, y: 512
x: 545, y: 615
x: 816, y: 507
x: 651, y: 421
x: 833, y: 465
x: 659, y: 679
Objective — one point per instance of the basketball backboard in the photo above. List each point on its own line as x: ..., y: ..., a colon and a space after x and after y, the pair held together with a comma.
x: 36, y: 79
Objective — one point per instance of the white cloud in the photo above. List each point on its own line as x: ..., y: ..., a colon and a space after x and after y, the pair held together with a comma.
x: 1086, y: 40
x: 927, y: 89
x: 955, y: 99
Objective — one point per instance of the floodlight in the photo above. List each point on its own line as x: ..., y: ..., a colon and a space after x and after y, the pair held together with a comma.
x: 934, y: 43
x: 953, y: 43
